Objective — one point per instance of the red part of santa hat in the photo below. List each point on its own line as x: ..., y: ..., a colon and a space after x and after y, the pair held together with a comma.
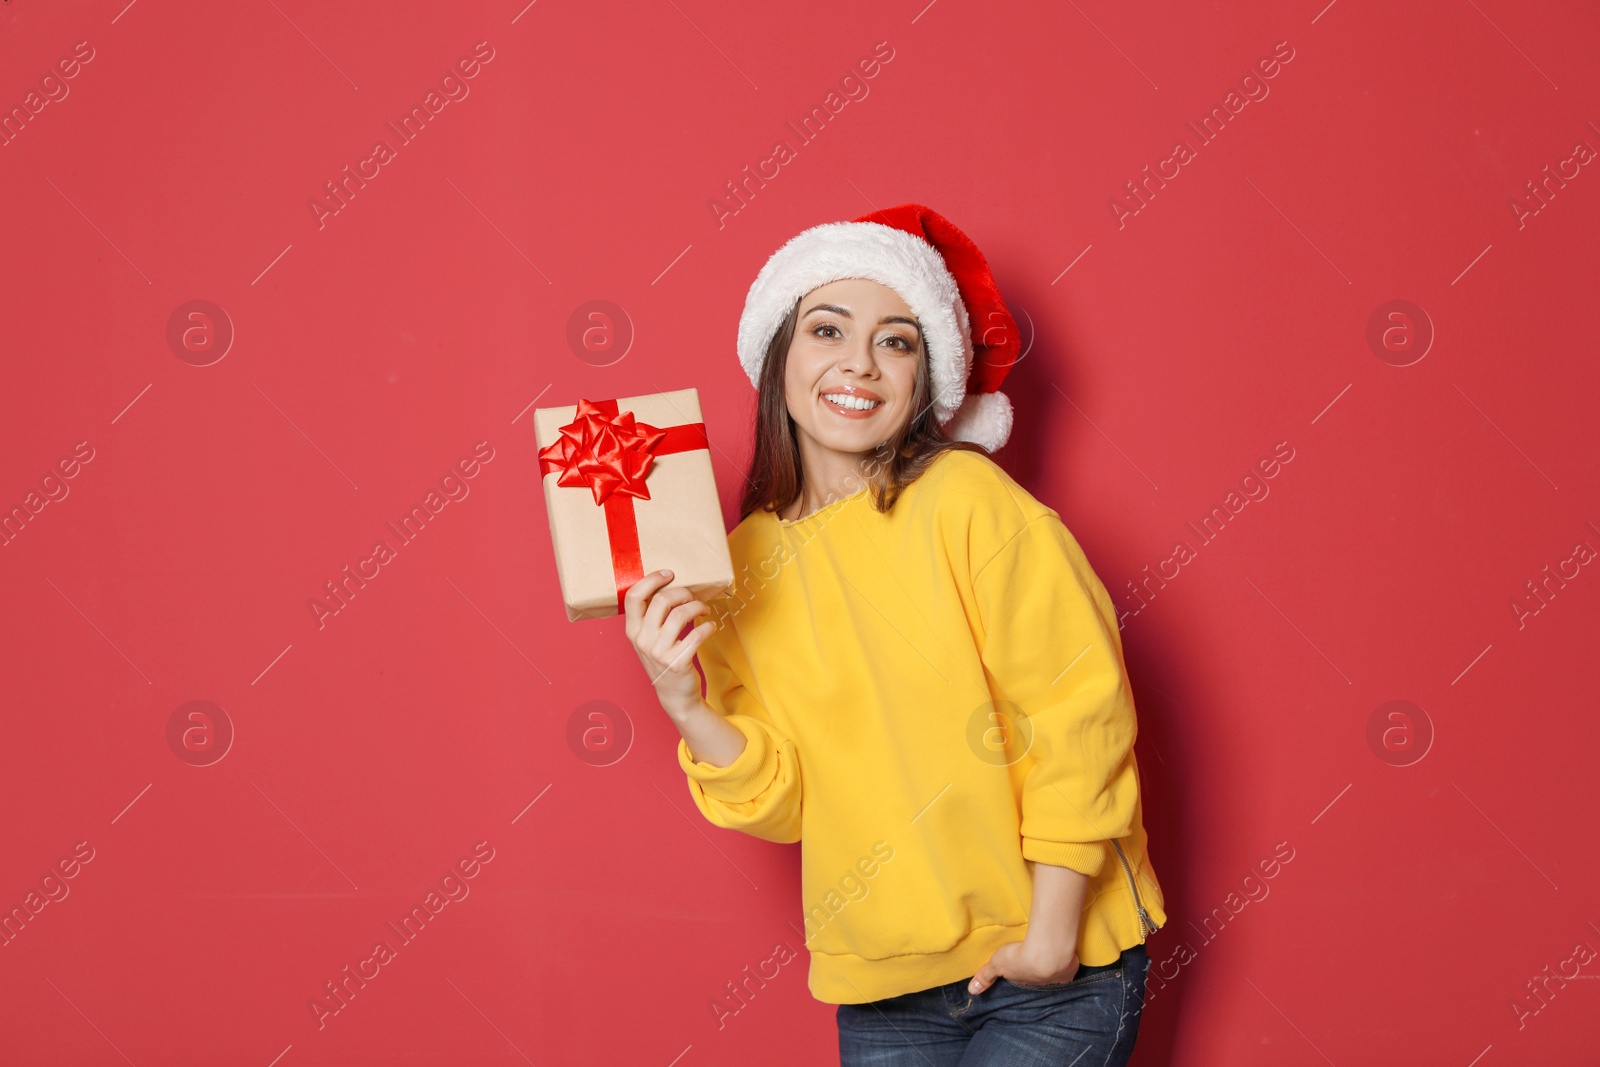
x: 971, y: 337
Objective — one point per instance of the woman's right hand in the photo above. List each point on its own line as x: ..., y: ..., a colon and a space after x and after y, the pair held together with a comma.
x: 654, y: 620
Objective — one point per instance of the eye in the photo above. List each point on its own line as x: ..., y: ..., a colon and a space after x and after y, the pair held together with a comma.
x: 906, y: 345
x: 825, y: 326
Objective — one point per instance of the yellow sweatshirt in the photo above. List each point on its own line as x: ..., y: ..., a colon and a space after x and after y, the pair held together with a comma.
x: 931, y: 698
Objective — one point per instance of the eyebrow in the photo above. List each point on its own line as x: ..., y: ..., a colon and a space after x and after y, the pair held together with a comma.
x: 846, y: 313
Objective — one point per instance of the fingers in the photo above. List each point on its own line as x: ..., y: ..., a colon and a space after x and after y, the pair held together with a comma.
x: 661, y: 602
x: 638, y: 595
x: 673, y: 624
x: 655, y: 615
x: 990, y: 972
x: 668, y: 600
x: 644, y: 608
x: 667, y: 639
x: 680, y: 657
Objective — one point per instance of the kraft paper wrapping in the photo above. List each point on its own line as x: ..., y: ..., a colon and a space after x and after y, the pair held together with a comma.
x: 680, y: 526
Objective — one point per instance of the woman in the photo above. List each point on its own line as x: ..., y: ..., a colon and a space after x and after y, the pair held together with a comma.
x: 917, y: 675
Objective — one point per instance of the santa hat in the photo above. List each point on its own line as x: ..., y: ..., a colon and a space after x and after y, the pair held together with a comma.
x: 943, y: 279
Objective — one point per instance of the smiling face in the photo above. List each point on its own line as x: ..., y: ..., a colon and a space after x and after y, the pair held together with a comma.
x: 851, y: 373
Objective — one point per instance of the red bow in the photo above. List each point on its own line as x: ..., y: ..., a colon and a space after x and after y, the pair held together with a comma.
x: 610, y: 453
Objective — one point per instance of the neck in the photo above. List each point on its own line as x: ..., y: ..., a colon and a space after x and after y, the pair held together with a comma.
x: 827, y: 476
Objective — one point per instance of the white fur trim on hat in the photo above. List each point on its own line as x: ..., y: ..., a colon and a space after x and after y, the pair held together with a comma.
x: 983, y: 418
x: 911, y: 267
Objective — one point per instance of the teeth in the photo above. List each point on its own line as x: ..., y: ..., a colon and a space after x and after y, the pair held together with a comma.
x: 854, y: 402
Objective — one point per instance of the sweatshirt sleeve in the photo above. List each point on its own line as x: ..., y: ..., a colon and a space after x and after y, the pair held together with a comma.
x: 759, y: 792
x: 1052, y: 648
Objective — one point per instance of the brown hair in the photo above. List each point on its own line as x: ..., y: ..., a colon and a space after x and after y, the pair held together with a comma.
x: 775, y: 478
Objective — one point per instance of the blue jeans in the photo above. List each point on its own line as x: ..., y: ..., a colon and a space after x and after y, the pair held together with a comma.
x: 1091, y: 1021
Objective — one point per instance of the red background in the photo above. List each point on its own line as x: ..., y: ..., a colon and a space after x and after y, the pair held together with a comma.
x: 374, y: 349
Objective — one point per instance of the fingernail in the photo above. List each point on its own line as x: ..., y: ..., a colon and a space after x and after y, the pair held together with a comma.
x: 667, y: 574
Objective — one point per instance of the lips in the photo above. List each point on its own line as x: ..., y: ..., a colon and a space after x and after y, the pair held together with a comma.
x: 852, y: 390
x: 856, y: 394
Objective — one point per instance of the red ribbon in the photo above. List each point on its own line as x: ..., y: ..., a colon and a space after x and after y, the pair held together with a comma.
x: 611, y: 453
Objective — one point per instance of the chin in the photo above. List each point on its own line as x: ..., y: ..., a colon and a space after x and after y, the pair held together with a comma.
x: 857, y: 444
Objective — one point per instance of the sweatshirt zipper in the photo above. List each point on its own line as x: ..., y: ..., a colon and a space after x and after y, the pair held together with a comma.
x: 1146, y: 926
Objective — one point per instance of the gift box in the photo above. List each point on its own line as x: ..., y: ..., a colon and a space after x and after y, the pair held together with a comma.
x: 629, y: 489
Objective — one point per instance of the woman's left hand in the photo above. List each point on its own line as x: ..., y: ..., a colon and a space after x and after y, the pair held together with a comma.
x: 1030, y: 961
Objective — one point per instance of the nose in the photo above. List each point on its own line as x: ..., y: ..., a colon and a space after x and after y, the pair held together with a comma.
x: 859, y: 356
